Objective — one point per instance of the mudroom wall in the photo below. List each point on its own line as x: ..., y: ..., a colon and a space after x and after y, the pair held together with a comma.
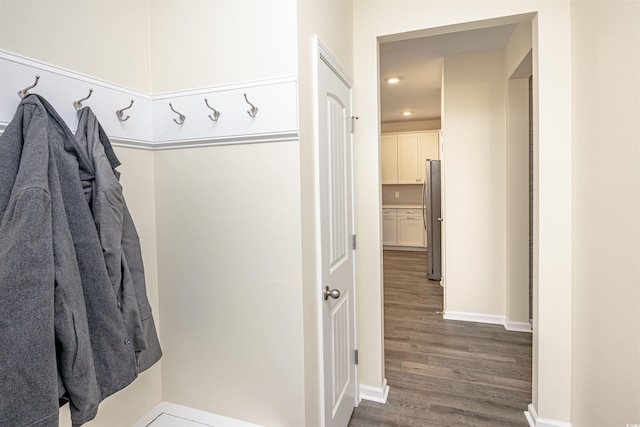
x: 224, y: 259
x: 229, y: 239
x: 213, y: 237
x: 207, y: 43
x: 606, y: 213
x: 107, y: 40
x: 79, y: 36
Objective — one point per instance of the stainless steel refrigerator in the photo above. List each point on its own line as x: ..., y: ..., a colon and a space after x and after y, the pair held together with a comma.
x: 432, y: 218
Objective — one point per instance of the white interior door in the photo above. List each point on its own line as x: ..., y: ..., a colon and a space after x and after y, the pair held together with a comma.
x: 337, y: 295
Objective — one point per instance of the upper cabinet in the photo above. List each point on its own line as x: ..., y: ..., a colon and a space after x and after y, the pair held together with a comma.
x: 404, y: 155
x: 408, y: 158
x: 428, y: 148
x: 389, y: 154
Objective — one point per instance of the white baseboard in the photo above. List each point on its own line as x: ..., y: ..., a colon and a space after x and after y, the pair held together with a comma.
x: 375, y: 394
x: 191, y: 414
x: 518, y: 326
x: 487, y: 318
x: 536, y: 421
x: 474, y: 317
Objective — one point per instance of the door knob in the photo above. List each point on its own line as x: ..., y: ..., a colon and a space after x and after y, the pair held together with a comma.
x: 333, y: 293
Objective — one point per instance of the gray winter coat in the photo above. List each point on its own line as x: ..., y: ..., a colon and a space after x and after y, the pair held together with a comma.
x: 119, y: 239
x: 44, y: 334
x: 51, y: 260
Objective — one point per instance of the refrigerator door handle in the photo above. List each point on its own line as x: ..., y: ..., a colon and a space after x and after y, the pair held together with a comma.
x: 424, y: 205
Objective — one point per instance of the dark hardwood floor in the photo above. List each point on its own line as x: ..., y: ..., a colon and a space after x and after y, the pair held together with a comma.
x: 444, y: 372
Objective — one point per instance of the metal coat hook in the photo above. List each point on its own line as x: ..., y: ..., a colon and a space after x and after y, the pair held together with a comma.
x: 181, y: 117
x: 78, y: 103
x: 254, y: 109
x: 24, y: 92
x: 213, y: 116
x: 120, y: 113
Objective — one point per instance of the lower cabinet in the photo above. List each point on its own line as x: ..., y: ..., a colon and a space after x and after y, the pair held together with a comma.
x: 403, y: 227
x: 389, y: 227
x: 410, y: 228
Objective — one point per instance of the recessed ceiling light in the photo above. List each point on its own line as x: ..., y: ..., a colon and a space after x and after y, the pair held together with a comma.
x: 393, y: 80
x: 406, y: 113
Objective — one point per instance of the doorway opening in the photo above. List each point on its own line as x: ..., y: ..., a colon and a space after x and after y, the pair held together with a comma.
x: 481, y: 110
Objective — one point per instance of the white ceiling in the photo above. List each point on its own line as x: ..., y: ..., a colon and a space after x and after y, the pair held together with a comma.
x: 418, y: 62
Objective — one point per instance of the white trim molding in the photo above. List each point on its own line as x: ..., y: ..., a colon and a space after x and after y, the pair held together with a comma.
x: 152, y: 123
x: 535, y: 421
x: 489, y: 319
x: 325, y: 55
x: 517, y: 326
x: 179, y: 411
x: 473, y: 317
x: 375, y: 394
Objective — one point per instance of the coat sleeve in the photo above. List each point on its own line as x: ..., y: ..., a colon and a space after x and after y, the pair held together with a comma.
x: 28, y: 373
x: 133, y: 253
x: 108, y: 213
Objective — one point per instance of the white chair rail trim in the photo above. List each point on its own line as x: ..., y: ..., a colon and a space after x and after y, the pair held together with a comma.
x: 152, y: 122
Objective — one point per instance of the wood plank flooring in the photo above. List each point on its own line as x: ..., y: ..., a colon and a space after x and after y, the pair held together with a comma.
x: 444, y: 373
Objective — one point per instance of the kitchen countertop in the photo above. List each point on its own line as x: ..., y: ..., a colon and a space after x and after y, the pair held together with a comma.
x: 401, y: 206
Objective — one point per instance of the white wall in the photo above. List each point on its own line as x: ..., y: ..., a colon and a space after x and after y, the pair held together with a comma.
x: 108, y: 40
x: 552, y: 98
x: 229, y: 233
x: 606, y: 213
x: 517, y: 297
x: 200, y: 43
x: 230, y: 280
x: 474, y: 129
x: 518, y: 58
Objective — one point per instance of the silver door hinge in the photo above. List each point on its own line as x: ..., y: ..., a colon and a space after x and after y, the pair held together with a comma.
x: 356, y: 357
x: 353, y: 123
x: 354, y: 242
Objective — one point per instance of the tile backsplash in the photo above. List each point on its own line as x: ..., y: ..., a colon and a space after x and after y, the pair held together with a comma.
x: 409, y: 194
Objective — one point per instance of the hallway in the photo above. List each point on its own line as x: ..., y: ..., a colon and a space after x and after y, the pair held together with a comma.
x: 444, y: 373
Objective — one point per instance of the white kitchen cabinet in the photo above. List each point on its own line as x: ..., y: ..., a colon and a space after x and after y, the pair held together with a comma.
x: 404, y: 153
x: 389, y: 227
x: 410, y: 227
x: 407, y: 159
x: 403, y: 227
x: 428, y: 148
x: 389, y: 155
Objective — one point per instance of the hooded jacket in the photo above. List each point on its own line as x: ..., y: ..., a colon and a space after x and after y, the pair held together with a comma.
x: 62, y: 337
